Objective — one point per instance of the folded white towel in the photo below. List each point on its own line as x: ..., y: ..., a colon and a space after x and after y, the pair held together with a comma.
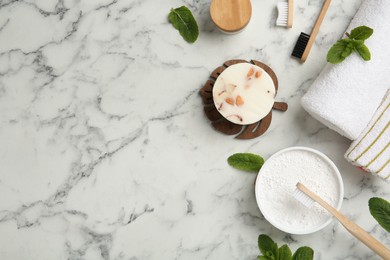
x: 345, y: 96
x: 371, y: 150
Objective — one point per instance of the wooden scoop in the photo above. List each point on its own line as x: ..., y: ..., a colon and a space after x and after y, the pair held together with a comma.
x: 231, y: 16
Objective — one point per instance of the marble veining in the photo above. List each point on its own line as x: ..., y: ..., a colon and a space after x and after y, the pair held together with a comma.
x: 105, y: 152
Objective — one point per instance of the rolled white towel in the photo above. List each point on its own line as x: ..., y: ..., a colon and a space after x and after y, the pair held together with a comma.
x: 345, y: 96
x: 371, y: 150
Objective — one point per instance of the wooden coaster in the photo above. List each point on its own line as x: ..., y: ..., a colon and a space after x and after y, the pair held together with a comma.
x: 223, y: 125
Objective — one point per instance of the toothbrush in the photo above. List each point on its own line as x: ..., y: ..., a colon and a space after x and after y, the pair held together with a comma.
x: 305, y: 41
x: 285, y: 13
x: 308, y: 198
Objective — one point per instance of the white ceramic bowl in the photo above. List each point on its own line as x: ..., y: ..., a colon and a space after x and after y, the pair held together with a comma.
x: 262, y: 187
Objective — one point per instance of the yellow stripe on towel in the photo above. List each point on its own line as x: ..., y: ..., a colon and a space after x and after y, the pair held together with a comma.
x: 376, y: 157
x: 373, y: 142
x: 371, y: 150
x: 369, y: 130
x: 384, y: 166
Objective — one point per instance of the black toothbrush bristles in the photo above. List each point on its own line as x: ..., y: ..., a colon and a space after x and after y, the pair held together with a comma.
x: 300, y: 46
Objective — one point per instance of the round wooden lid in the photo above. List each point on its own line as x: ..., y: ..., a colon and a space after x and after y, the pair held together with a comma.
x: 231, y: 15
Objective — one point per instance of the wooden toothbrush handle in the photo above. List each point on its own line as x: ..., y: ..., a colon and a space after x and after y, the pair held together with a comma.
x: 362, y: 235
x: 290, y: 13
x: 315, y: 30
x: 353, y: 228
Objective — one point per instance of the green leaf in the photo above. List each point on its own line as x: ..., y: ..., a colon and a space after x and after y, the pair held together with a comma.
x: 355, y: 42
x: 268, y: 247
x: 246, y: 161
x: 304, y: 253
x: 361, y: 33
x: 182, y: 19
x: 261, y: 257
x: 285, y: 253
x: 380, y: 210
x: 363, y: 51
x: 339, y: 51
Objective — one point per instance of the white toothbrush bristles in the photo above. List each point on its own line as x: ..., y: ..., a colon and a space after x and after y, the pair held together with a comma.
x: 282, y: 14
x: 303, y: 198
x: 285, y: 13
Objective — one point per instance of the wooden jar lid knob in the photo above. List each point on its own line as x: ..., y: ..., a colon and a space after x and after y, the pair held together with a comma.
x: 231, y: 15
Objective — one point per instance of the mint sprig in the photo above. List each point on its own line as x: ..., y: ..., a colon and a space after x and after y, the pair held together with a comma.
x: 355, y: 42
x: 268, y: 247
x: 270, y: 251
x: 285, y: 252
x: 380, y: 210
x: 182, y: 19
x: 361, y: 33
x: 246, y: 161
x: 303, y: 253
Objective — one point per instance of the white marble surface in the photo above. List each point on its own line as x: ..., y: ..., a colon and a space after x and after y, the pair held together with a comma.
x: 105, y: 152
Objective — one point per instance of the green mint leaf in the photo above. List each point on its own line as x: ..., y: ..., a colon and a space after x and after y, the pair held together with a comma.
x: 246, y: 161
x: 285, y: 253
x: 363, y: 51
x: 304, y: 253
x: 268, y: 247
x: 261, y: 257
x: 182, y: 19
x: 355, y: 42
x: 339, y: 51
x: 361, y: 33
x: 380, y: 210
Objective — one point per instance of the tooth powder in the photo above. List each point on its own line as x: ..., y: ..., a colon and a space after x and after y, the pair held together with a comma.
x: 277, y: 181
x: 244, y: 93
